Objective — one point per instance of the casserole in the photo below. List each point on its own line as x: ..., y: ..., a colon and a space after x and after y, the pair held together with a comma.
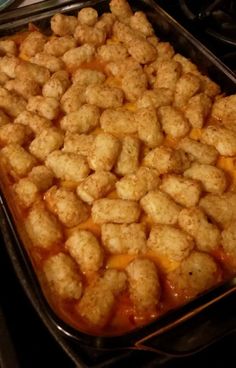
x: 218, y: 72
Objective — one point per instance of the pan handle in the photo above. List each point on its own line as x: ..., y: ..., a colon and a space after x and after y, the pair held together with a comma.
x: 195, y: 334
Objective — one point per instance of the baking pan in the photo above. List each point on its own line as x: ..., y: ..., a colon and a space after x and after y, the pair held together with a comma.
x: 157, y: 335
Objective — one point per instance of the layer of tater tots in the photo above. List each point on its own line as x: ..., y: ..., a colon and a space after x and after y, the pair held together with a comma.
x: 119, y: 155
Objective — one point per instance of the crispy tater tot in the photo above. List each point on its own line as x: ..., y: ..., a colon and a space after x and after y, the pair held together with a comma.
x: 104, y: 96
x: 222, y: 106
x: 186, y: 87
x: 212, y: 178
x: 134, y: 84
x: 115, y: 210
x: 140, y: 23
x: 19, y: 160
x: 57, y: 46
x: 38, y: 73
x: 4, y: 119
x: 86, y: 77
x: 62, y: 277
x: 85, y: 119
x: 173, y: 121
x: 120, y: 68
x: 73, y: 98
x: 33, y: 44
x: 47, y: 107
x: 228, y: 240
x: 112, y: 52
x: 45, y: 142
x: 170, y: 242
x: 156, y: 98
x: 121, y: 9
x: 168, y: 73
x: 142, y: 51
x: 166, y: 160
x: 14, y: 133
x: 118, y: 121
x: 85, y: 34
x: 209, y: 87
x: 123, y: 33
x: 96, y: 186
x: 98, y: 299
x: 197, y: 110
x: 88, y: 16
x: 8, y: 65
x: 220, y: 208
x: 165, y: 51
x: 149, y: 129
x: 186, y: 64
x: 128, y: 159
x: 11, y: 103
x: 160, y: 207
x: 144, y: 285
x: 42, y: 177
x: 8, y: 47
x: 154, y: 40
x: 123, y: 238
x: 36, y: 122
x: 78, y: 143
x: 3, y: 78
x: 196, y: 273
x: 200, y: 152
x: 57, y: 85
x: 68, y: 166
x: 63, y: 25
x: 26, y: 192
x: 84, y: 247
x: 70, y: 210
x: 48, y: 61
x: 206, y: 235
x: 104, y: 152
x: 73, y: 58
x: 26, y: 88
x: 42, y: 227
x: 105, y: 22
x: 183, y: 190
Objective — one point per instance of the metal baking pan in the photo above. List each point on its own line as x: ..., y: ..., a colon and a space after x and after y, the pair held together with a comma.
x: 162, y: 335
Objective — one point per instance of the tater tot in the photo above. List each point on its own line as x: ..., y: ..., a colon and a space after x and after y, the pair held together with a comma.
x: 4, y: 119
x: 26, y: 192
x: 160, y: 207
x: 11, y: 103
x: 165, y: 51
x: 118, y: 121
x: 209, y: 87
x: 38, y: 73
x: 200, y: 152
x: 48, y: 61
x: 97, y: 302
x: 62, y: 277
x: 212, y: 178
x: 229, y: 240
x: 8, y: 65
x: 85, y: 119
x: 134, y: 84
x: 168, y: 73
x: 121, y: 9
x: 86, y: 77
x: 96, y: 186
x: 149, y: 129
x: 63, y: 25
x: 68, y: 166
x: 222, y: 106
x: 78, y: 143
x: 8, y: 47
x: 73, y: 58
x: 70, y: 210
x: 173, y: 121
x: 42, y: 227
x: 123, y: 33
x: 105, y: 22
x: 104, y: 96
x: 57, y: 46
x: 171, y: 242
x: 198, y: 109
x: 19, y: 160
x: 45, y: 142
x: 84, y: 247
x: 36, y: 122
x: 142, y: 51
x: 186, y: 87
x: 224, y: 140
x: 120, y: 68
x: 123, y: 238
x: 25, y: 88
x: 57, y: 85
x: 104, y: 152
x: 166, y: 160
x: 88, y: 16
x: 3, y: 78
x: 85, y: 34
x: 196, y: 273
x: 186, y: 64
x: 144, y: 285
x: 220, y: 208
x: 140, y: 23
x: 33, y: 44
x: 112, y: 52
x: 184, y: 191
x: 14, y: 133
x: 128, y: 159
x: 115, y: 210
x: 156, y: 98
x: 42, y: 177
x: 194, y: 222
x: 47, y: 107
x: 73, y: 98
